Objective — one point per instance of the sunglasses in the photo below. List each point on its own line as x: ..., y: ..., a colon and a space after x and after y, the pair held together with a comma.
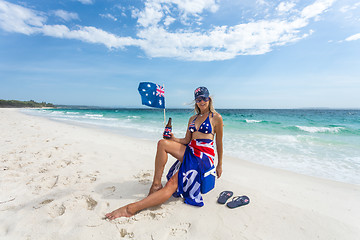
x: 199, y: 99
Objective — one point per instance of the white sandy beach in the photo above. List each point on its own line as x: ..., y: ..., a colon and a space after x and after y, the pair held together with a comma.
x: 57, y: 181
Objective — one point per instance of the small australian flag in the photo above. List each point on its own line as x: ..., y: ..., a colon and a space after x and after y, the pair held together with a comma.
x: 152, y: 95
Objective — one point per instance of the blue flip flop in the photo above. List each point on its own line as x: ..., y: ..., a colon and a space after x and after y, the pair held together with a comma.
x: 238, y: 202
x: 224, y: 196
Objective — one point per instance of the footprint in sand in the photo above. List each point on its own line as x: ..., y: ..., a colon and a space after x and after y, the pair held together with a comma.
x: 91, y: 177
x: 125, y: 233
x: 43, y: 170
x: 144, y: 177
x: 154, y: 213
x: 108, y: 191
x: 57, y: 210
x: 157, y: 215
x: 43, y: 203
x: 180, y: 230
x: 91, y: 203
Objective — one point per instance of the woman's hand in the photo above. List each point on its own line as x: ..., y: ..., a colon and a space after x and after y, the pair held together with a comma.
x: 172, y: 137
x: 219, y: 171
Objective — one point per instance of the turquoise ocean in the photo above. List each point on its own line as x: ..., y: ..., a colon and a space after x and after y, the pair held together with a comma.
x: 320, y: 143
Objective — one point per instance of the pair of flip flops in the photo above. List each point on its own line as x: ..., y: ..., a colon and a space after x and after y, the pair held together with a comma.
x: 237, y: 201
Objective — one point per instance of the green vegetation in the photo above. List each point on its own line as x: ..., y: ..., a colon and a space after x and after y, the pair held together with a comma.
x: 23, y: 104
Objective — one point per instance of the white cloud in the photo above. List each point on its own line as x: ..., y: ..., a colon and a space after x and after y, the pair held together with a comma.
x: 156, y: 10
x: 156, y: 39
x: 108, y: 16
x: 87, y: 2
x: 89, y: 34
x: 15, y: 18
x: 169, y: 20
x: 67, y: 16
x: 261, y: 2
x: 221, y: 42
x: 195, y: 6
x: 353, y: 37
x: 122, y: 9
x: 284, y: 7
x: 151, y: 15
x: 348, y: 8
x: 316, y: 8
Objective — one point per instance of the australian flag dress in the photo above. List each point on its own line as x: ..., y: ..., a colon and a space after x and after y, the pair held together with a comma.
x: 196, y: 173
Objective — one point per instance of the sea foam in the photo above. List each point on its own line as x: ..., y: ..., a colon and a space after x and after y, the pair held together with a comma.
x: 252, y: 121
x: 320, y: 129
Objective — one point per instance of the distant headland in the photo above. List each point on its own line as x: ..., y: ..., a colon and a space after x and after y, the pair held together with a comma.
x: 24, y: 104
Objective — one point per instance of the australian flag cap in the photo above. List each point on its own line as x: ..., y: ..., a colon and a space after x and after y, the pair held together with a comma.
x: 201, y: 92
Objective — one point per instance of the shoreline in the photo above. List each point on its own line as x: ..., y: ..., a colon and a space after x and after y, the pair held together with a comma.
x: 317, y: 170
x: 64, y: 178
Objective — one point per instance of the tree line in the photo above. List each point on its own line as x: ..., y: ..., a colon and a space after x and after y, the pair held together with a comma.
x: 23, y: 104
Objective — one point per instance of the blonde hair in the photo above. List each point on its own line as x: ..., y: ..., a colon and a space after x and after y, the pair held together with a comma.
x: 211, y: 107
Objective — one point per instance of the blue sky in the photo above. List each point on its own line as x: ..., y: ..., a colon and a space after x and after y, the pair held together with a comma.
x: 249, y: 53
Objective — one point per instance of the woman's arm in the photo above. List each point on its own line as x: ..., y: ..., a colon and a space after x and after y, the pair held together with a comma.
x: 219, y: 142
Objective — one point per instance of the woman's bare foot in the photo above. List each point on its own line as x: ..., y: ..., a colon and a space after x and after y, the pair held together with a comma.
x: 120, y: 212
x: 155, y: 188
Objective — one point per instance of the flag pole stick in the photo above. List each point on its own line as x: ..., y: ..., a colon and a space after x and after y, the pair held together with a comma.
x: 164, y: 107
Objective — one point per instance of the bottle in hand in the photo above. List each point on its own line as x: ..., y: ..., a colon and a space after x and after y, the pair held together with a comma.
x: 168, y: 128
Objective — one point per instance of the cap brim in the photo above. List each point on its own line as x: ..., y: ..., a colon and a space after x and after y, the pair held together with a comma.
x: 202, y: 95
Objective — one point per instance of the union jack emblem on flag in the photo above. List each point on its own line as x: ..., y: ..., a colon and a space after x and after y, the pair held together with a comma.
x: 160, y: 91
x: 199, y: 148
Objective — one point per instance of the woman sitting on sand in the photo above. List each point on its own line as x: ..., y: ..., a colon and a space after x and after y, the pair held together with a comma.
x: 195, y: 154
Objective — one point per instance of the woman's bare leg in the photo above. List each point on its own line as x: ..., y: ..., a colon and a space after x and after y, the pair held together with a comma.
x: 152, y: 200
x: 164, y: 147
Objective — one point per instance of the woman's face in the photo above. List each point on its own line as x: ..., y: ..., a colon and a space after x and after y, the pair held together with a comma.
x: 203, y: 103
